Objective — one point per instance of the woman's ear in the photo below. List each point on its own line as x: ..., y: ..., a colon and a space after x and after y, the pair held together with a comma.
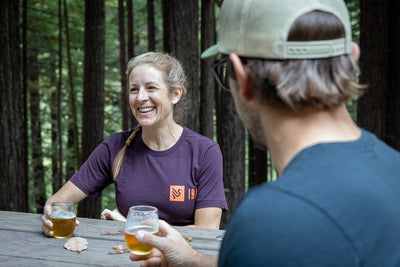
x: 355, y: 51
x: 242, y: 77
x: 176, y: 95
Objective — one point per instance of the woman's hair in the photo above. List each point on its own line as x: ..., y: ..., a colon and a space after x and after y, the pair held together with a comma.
x: 296, y: 83
x: 174, y: 76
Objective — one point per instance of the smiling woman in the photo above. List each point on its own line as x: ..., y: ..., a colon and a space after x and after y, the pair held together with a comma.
x: 160, y: 163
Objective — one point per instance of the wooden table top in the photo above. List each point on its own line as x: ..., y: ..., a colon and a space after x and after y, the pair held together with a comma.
x: 24, y: 244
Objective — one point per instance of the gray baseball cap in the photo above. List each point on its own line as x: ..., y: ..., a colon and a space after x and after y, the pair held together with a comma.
x: 259, y: 28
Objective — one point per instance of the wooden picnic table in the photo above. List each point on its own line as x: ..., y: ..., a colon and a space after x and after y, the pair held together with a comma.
x: 23, y: 243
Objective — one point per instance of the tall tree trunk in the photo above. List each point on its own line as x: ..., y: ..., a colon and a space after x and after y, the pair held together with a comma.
x: 181, y: 20
x: 56, y: 185
x: 258, y: 163
x: 207, y: 82
x: 25, y: 78
x: 122, y: 66
x: 167, y: 5
x: 373, y: 64
x: 392, y: 134
x: 59, y: 88
x: 13, y: 182
x: 93, y: 92
x: 231, y: 138
x: 151, y: 31
x: 130, y: 26
x: 36, y: 138
x: 72, y: 96
x: 131, y: 48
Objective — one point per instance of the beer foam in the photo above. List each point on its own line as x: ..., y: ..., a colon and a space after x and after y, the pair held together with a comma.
x: 62, y: 214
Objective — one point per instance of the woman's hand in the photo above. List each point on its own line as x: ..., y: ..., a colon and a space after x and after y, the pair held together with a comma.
x: 47, y: 224
x: 112, y: 215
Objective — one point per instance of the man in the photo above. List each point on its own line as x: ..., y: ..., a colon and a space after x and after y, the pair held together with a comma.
x: 291, y: 70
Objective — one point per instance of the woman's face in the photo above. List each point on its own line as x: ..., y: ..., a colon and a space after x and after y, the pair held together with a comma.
x: 149, y: 99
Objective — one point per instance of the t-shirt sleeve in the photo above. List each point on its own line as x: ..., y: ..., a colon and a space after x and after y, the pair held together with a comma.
x: 210, y: 189
x: 95, y: 173
x: 271, y: 228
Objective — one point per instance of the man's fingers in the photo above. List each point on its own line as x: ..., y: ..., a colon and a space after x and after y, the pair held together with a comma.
x: 76, y: 222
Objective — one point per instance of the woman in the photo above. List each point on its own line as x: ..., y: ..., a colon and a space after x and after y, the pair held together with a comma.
x: 160, y: 163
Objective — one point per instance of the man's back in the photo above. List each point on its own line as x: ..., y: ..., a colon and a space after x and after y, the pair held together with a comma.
x: 336, y: 204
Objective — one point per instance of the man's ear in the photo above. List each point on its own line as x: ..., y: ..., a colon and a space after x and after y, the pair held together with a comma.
x: 242, y: 77
x: 176, y: 96
x: 355, y: 51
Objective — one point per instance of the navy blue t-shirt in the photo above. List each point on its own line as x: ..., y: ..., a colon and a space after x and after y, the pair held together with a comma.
x: 336, y: 204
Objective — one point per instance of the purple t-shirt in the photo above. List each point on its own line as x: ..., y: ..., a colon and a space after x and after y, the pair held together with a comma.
x: 177, y: 181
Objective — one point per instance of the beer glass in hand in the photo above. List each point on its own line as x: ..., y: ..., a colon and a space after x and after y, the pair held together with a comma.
x: 140, y: 218
x: 63, y: 218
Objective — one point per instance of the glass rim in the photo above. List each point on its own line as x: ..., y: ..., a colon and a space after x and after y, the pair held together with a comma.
x: 60, y: 203
x: 143, y: 208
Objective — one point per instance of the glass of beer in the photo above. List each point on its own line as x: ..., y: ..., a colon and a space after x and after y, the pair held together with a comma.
x: 140, y: 218
x: 63, y: 218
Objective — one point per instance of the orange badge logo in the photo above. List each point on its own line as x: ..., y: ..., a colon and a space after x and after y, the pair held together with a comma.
x: 177, y: 193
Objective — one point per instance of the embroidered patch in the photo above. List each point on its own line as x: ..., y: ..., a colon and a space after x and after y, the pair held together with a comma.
x: 177, y: 193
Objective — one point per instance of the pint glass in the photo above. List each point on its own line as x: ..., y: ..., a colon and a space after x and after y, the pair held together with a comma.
x: 63, y: 218
x: 140, y: 218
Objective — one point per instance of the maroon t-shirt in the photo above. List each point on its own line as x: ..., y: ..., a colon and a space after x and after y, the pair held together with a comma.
x: 177, y: 181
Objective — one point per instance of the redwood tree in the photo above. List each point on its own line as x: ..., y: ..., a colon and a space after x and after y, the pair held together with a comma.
x: 378, y: 109
x: 207, y: 82
x: 181, y: 39
x: 93, y: 92
x: 13, y: 148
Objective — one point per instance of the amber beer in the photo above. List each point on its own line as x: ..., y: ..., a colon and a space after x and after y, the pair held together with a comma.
x: 135, y: 246
x: 63, y: 218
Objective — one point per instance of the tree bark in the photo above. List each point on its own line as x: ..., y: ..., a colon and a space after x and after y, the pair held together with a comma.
x: 151, y: 31
x: 258, y: 163
x: 181, y: 21
x: 93, y: 92
x: 131, y: 49
x: 72, y: 96
x: 59, y: 88
x: 130, y: 26
x: 13, y: 182
x: 207, y: 82
x: 373, y: 65
x: 122, y: 66
x: 231, y: 138
x: 56, y: 185
x: 36, y: 138
x: 25, y: 78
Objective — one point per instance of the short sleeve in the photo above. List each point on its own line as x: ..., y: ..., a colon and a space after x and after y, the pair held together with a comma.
x: 210, y: 180
x: 95, y: 173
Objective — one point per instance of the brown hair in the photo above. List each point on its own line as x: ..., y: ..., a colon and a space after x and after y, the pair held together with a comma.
x: 174, y: 76
x: 323, y: 83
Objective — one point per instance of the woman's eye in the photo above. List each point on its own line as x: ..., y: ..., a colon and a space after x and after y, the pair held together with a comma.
x: 133, y: 90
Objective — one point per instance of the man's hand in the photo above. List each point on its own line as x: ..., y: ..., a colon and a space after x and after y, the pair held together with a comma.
x: 171, y: 249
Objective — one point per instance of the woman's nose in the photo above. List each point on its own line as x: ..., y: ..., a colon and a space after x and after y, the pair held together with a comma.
x: 142, y: 94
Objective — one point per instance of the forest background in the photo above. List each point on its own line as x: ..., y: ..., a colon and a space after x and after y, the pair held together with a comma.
x: 63, y: 84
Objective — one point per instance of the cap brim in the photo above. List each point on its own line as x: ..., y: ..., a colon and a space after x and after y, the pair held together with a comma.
x: 211, y: 51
